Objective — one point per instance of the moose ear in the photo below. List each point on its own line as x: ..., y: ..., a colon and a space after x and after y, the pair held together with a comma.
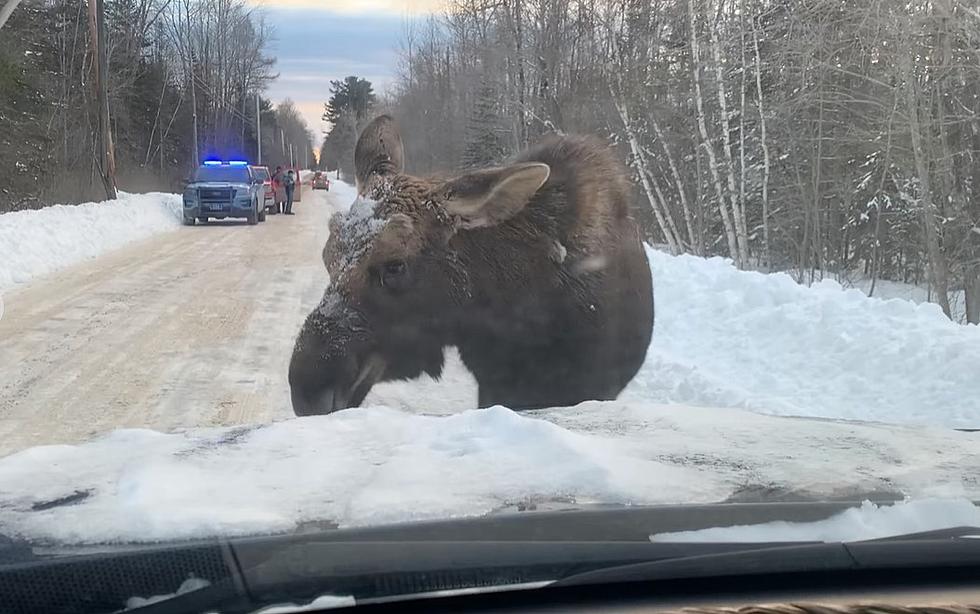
x: 379, y: 151
x: 492, y: 196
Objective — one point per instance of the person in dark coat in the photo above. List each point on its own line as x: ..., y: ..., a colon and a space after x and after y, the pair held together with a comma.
x: 289, y: 183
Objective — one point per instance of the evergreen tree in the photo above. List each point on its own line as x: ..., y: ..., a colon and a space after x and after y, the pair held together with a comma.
x: 352, y: 95
x: 484, y: 145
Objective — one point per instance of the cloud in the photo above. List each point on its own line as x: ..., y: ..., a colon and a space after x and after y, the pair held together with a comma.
x: 314, y: 47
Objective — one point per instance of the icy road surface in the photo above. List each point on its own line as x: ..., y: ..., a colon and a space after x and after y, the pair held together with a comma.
x: 191, y: 327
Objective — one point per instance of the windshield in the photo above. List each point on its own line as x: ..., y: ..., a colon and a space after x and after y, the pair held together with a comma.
x: 229, y: 174
x: 512, y: 258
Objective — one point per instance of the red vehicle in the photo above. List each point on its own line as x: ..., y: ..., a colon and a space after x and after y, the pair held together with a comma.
x: 263, y: 173
x: 320, y: 181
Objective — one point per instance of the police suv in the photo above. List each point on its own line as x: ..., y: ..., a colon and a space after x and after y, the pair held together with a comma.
x: 222, y: 190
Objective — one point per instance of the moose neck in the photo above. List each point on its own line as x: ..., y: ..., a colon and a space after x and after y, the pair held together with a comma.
x: 509, y: 268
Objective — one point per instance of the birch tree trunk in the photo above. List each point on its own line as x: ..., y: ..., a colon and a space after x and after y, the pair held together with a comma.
x: 939, y: 277
x: 743, y: 215
x: 726, y: 217
x: 679, y: 183
x: 653, y: 194
x: 741, y: 233
x: 766, y: 246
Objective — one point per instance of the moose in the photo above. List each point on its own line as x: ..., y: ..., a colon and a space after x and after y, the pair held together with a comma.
x: 535, y: 271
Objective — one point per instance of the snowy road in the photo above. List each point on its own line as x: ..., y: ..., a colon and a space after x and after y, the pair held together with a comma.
x: 188, y: 328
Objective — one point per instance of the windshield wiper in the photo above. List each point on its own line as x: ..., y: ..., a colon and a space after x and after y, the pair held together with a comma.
x: 953, y: 547
x: 372, y: 572
x: 273, y: 571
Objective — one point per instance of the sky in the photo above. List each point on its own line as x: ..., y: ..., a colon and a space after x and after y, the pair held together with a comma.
x: 318, y: 41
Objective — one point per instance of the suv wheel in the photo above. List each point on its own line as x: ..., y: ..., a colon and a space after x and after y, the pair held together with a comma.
x: 253, y: 215
x: 261, y: 214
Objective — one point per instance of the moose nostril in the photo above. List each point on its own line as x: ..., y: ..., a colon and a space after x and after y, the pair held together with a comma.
x: 317, y: 403
x: 301, y: 406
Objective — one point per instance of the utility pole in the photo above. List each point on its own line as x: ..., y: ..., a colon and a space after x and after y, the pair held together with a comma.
x: 258, y: 128
x: 292, y: 162
x: 103, y: 140
x: 190, y: 70
x: 7, y: 9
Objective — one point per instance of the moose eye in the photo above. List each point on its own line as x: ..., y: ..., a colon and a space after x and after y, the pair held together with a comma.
x: 394, y: 268
x: 393, y: 273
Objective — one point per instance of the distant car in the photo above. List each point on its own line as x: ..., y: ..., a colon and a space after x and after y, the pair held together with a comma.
x: 320, y: 181
x: 262, y: 172
x: 222, y: 190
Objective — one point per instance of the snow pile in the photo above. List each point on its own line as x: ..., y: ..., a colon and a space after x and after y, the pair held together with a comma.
x: 371, y: 466
x: 887, y: 289
x: 869, y: 521
x: 37, y: 242
x: 729, y: 338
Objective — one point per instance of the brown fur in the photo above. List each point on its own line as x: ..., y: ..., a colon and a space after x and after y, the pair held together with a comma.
x: 535, y: 271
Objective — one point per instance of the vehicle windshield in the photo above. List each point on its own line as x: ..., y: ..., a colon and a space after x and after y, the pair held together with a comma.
x: 508, y: 258
x: 229, y: 174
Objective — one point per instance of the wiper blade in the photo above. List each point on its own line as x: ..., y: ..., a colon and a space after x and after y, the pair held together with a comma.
x: 944, y: 548
x: 785, y: 559
x: 247, y: 574
x: 271, y: 572
x: 951, y: 533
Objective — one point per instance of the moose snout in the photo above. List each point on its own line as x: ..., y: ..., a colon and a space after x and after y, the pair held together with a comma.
x: 333, y: 366
x: 312, y: 402
x: 327, y: 387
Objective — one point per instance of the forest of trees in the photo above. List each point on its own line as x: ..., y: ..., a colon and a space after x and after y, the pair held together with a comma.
x: 177, y: 69
x: 820, y: 137
x: 827, y: 138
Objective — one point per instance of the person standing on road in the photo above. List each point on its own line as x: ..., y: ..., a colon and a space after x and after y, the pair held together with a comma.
x: 289, y: 182
x: 277, y: 189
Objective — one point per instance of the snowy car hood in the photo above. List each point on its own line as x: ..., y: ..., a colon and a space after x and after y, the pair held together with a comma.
x: 376, y: 466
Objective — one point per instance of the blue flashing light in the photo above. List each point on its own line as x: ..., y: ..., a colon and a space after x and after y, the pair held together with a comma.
x: 212, y: 163
x: 238, y: 163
